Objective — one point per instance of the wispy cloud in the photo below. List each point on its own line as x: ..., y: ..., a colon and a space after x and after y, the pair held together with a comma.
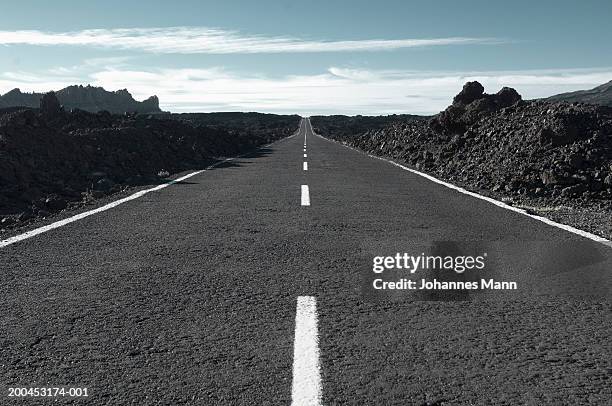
x: 101, y: 63
x: 203, y: 40
x: 337, y: 90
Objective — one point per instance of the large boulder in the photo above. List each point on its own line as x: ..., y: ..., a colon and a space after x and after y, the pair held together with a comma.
x: 470, y: 105
x: 471, y: 91
x: 507, y: 96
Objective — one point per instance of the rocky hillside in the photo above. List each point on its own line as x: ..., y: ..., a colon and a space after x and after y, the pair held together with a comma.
x: 231, y: 121
x: 51, y: 158
x: 88, y: 98
x: 601, y: 95
x: 501, y: 145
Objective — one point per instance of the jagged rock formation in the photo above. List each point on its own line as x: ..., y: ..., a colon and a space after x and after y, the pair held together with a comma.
x: 601, y: 95
x: 88, y: 98
x: 49, y: 105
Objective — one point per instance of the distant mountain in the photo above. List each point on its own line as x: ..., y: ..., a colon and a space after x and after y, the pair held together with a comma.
x: 598, y: 95
x: 87, y: 98
x: 15, y: 98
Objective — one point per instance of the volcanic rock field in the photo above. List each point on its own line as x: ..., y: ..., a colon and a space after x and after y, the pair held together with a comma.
x: 51, y: 159
x: 551, y: 158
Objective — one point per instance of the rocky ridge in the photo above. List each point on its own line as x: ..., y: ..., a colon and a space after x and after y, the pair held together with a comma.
x: 601, y: 95
x: 88, y: 98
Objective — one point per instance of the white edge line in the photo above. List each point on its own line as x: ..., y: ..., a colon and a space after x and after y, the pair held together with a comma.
x: 80, y: 216
x: 497, y: 203
x: 306, y: 386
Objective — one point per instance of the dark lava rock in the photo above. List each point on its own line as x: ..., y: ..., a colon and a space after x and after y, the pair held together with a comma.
x: 25, y: 215
x: 471, y: 91
x: 576, y: 160
x: 50, y: 158
x: 545, y: 135
x: 49, y: 105
x: 470, y: 105
x: 7, y: 221
x: 507, y: 96
x: 104, y: 185
x: 497, y: 142
x: 574, y: 190
x: 549, y: 178
x: 55, y: 203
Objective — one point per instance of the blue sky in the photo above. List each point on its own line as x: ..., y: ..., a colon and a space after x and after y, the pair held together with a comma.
x: 352, y: 57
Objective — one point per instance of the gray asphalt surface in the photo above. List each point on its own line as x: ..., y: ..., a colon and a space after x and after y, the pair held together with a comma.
x: 188, y: 295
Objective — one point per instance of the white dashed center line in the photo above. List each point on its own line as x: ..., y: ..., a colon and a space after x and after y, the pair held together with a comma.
x: 305, y: 196
x: 305, y: 166
x: 306, y: 388
x: 304, y: 155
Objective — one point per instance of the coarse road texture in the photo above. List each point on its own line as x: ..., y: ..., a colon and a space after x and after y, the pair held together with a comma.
x: 189, y: 295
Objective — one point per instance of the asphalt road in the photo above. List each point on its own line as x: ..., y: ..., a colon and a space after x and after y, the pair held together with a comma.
x: 189, y: 295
